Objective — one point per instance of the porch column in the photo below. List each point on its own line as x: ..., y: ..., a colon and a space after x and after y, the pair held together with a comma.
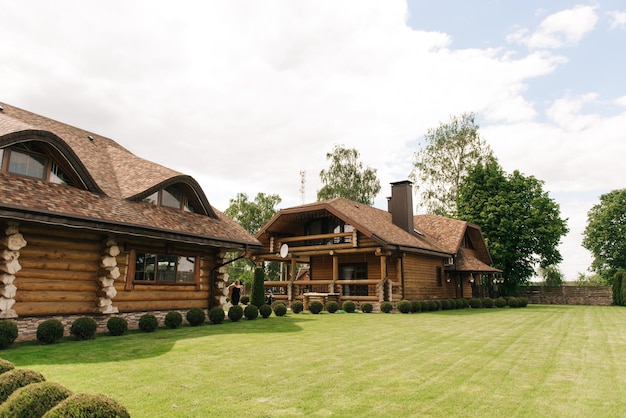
x: 383, y: 278
x: 332, y: 286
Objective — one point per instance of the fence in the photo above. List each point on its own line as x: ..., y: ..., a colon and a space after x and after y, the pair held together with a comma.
x: 569, y: 295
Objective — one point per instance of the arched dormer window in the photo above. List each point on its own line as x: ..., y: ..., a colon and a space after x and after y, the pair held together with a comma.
x: 173, y: 197
x: 38, y: 160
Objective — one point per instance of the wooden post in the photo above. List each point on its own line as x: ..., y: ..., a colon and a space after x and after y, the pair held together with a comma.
x: 335, y: 274
x: 383, y: 278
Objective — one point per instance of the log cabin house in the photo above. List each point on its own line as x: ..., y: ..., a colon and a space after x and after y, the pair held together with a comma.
x: 87, y: 227
x: 353, y: 251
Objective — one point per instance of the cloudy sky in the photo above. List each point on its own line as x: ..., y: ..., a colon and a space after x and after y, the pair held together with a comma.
x: 246, y: 95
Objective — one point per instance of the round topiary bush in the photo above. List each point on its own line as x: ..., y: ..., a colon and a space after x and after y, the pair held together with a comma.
x: 459, y: 303
x: 34, y: 400
x: 173, y: 319
x: 487, y: 302
x: 523, y: 302
x: 87, y: 405
x: 445, y: 305
x: 265, y: 310
x: 117, y: 325
x: 245, y: 300
x: 500, y: 302
x: 297, y: 306
x: 475, y: 303
x: 415, y: 306
x: 84, y: 328
x: 15, y: 379
x: 5, y: 366
x: 50, y: 331
x: 404, y: 306
x: 148, y: 323
x: 332, y: 306
x: 432, y: 305
x: 251, y: 312
x: 367, y: 307
x: 386, y: 307
x: 513, y: 302
x: 316, y: 307
x: 196, y: 316
x: 348, y: 306
x: 437, y: 305
x: 423, y: 306
x: 235, y: 313
x: 216, y: 316
x: 280, y: 309
x: 465, y: 302
x: 8, y: 333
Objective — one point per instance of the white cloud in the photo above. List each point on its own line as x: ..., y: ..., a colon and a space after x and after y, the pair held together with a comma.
x: 564, y: 28
x: 620, y: 101
x: 618, y: 20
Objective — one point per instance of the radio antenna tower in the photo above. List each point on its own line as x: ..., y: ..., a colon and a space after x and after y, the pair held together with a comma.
x: 302, y: 182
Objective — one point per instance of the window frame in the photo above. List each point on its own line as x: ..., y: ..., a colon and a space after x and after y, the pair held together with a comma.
x: 52, y: 165
x: 358, y: 270
x: 185, y: 204
x: 132, y: 263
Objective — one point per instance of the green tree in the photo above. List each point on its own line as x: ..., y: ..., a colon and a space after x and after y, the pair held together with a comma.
x: 551, y: 275
x: 346, y: 177
x: 251, y: 215
x: 520, y: 222
x: 605, y: 233
x: 451, y: 150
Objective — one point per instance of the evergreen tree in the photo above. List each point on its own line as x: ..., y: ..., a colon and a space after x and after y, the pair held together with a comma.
x: 257, y: 294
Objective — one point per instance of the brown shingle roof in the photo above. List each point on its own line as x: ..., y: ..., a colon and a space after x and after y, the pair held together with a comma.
x: 114, y: 171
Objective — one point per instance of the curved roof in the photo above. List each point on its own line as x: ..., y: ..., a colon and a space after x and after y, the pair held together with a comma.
x: 115, y: 181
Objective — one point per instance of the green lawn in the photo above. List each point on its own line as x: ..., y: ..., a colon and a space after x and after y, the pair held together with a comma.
x: 551, y: 361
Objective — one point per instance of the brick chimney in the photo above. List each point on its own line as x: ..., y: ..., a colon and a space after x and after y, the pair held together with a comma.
x: 400, y: 204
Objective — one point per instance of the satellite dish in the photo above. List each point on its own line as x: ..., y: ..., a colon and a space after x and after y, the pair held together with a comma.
x: 284, y: 250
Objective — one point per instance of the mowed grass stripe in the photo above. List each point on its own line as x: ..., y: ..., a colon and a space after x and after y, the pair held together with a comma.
x: 552, y: 361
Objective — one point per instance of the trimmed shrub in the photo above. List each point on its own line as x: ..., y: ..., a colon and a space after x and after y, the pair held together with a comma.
x: 34, y: 400
x: 8, y: 333
x: 148, y: 323
x: 423, y: 306
x: 404, y: 306
x: 332, y: 306
x: 196, y: 316
x: 265, y: 310
x: 117, y: 325
x: 475, y: 303
x: 513, y: 302
x: 415, y: 306
x: 459, y: 303
x: 244, y: 300
x: 445, y: 305
x: 465, y: 302
x: 316, y: 307
x: 487, y: 303
x: 523, y: 301
x: 348, y: 306
x: 173, y: 319
x: 5, y: 366
x: 500, y: 302
x: 87, y: 405
x: 84, y: 328
x: 367, y: 307
x: 280, y: 309
x: 257, y: 293
x: 386, y: 307
x: 297, y: 306
x: 251, y: 312
x: 437, y: 305
x: 235, y: 313
x: 216, y: 316
x: 432, y: 305
x: 50, y: 331
x: 15, y: 379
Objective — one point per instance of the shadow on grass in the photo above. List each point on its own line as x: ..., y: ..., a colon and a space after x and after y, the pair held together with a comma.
x: 136, y: 344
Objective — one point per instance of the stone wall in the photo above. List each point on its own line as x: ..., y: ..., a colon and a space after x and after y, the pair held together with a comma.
x: 27, y: 327
x: 569, y: 295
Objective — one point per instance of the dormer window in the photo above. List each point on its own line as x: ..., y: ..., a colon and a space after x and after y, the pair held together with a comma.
x: 171, y: 197
x: 32, y: 159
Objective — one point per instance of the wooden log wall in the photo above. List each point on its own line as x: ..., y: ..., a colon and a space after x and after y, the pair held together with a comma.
x: 66, y: 271
x: 10, y: 245
x: 420, y: 279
